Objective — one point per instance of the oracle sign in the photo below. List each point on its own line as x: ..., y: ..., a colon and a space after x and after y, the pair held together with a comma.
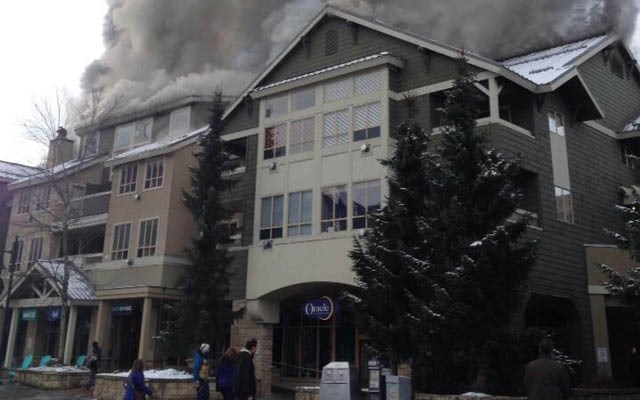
x: 321, y: 308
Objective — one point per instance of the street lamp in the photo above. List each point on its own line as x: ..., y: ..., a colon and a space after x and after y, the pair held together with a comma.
x: 11, y: 267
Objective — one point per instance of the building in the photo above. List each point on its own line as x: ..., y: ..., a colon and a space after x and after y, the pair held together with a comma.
x: 323, y: 112
x: 308, y: 134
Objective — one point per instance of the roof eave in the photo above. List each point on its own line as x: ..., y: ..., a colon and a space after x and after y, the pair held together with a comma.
x: 38, y: 178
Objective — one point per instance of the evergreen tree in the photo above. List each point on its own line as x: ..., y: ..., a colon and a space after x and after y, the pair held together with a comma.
x: 442, y: 270
x: 204, y: 313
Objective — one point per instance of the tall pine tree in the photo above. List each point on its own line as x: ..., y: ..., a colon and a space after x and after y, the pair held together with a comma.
x: 442, y: 270
x: 204, y: 313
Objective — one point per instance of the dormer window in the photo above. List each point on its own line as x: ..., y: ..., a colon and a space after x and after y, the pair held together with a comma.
x: 179, y: 121
x: 91, y: 144
x: 133, y: 134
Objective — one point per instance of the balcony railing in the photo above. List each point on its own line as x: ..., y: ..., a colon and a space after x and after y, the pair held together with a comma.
x: 94, y: 204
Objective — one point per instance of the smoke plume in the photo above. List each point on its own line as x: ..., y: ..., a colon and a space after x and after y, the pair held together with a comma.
x: 158, y: 50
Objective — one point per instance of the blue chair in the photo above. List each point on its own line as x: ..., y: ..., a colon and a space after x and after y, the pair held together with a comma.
x: 26, y: 363
x: 45, y: 360
x: 81, y: 360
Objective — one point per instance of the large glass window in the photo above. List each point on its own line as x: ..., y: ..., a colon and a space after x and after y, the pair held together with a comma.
x: 334, y: 209
x: 121, y: 238
x: 302, y: 136
x: 147, y: 237
x: 124, y: 136
x: 91, y: 144
x: 366, y: 198
x: 368, y: 83
x: 43, y: 194
x: 271, y: 217
x: 275, y: 106
x: 335, y: 130
x: 564, y: 205
x: 179, y: 121
x: 275, y: 141
x: 128, y: 179
x: 556, y: 123
x: 35, y: 250
x: 19, y: 249
x: 155, y: 174
x: 24, y: 201
x: 299, y: 217
x: 143, y: 131
x: 367, y: 121
x: 304, y: 98
x: 338, y: 90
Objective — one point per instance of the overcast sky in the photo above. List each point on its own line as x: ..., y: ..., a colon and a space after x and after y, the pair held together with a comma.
x: 46, y: 44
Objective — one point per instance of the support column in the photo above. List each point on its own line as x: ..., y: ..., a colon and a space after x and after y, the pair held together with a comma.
x: 145, y: 329
x: 71, y: 335
x: 600, y: 336
x: 11, y: 339
x: 103, y: 329
x: 494, y: 105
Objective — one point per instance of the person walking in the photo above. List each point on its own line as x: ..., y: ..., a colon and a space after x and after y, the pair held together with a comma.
x: 135, y: 388
x: 224, y: 374
x: 201, y: 372
x: 94, y: 364
x: 545, y: 378
x: 244, y: 373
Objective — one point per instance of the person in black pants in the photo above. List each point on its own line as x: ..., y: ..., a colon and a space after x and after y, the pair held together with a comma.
x: 94, y: 364
x: 244, y: 373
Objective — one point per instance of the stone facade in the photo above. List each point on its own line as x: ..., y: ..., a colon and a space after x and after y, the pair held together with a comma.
x: 112, y: 388
x: 52, y: 380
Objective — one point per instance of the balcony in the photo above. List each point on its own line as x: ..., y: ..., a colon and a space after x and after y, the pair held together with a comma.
x: 90, y: 210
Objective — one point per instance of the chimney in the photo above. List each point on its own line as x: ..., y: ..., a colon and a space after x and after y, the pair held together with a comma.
x: 60, y: 148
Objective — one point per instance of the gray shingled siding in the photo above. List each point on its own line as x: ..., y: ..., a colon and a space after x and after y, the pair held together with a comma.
x: 243, y: 118
x: 619, y: 98
x: 238, y: 281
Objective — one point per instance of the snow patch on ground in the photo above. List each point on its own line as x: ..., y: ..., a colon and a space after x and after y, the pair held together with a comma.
x: 475, y: 394
x: 66, y: 369
x: 157, y: 374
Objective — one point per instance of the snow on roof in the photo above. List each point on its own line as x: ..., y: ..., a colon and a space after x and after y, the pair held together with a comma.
x: 544, y: 67
x: 79, y: 286
x: 165, y: 144
x: 11, y: 171
x: 323, y: 70
x: 75, y: 164
x: 632, y: 126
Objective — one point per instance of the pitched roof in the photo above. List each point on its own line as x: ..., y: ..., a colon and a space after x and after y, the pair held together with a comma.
x: 79, y: 286
x: 71, y: 166
x: 9, y: 171
x: 544, y: 67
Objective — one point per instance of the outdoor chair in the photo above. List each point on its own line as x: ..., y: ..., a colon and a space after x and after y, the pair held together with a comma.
x: 45, y: 360
x: 81, y: 360
x: 26, y: 363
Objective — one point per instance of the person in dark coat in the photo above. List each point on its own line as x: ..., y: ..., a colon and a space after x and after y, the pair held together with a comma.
x: 224, y: 374
x: 94, y: 364
x: 244, y: 373
x: 545, y: 378
x: 135, y: 388
x: 201, y: 372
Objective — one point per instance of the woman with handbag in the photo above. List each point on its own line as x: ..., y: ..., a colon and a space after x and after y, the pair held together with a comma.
x: 135, y: 388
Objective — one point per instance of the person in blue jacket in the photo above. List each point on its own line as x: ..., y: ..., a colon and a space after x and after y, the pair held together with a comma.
x: 201, y: 372
x: 224, y: 374
x: 135, y: 388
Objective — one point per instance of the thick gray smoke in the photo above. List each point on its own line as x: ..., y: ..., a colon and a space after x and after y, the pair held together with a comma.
x: 158, y: 50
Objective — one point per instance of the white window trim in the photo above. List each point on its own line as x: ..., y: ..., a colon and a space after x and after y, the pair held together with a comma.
x: 347, y: 217
x: 174, y: 112
x: 351, y: 203
x: 84, y: 144
x: 299, y: 223
x: 146, y: 165
x: 132, y: 141
x: 115, y: 141
x: 155, y: 245
x: 312, y: 141
x: 556, y: 115
x: 27, y: 193
x: 143, y: 121
x: 119, y: 193
x: 113, y: 239
x: 271, y: 226
x: 573, y: 217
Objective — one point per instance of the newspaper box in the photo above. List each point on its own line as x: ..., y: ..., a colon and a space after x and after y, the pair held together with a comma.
x: 398, y: 387
x: 339, y: 381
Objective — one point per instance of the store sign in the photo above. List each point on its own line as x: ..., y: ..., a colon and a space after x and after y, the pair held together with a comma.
x: 29, y: 314
x: 122, y: 309
x: 321, y: 308
x: 53, y: 314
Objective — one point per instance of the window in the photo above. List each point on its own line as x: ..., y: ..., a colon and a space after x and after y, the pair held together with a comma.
x: 275, y: 106
x: 556, y: 123
x: 18, y: 258
x: 564, y: 206
x: 617, y: 67
x: 367, y: 121
x: 124, y: 136
x: 42, y: 197
x: 179, y: 121
x: 366, y: 198
x: 334, y: 209
x: 331, y: 42
x: 368, y: 83
x: 337, y: 90
x: 302, y: 136
x: 154, y: 175
x: 147, y: 237
x: 143, y: 131
x: 304, y: 98
x: 271, y: 222
x: 275, y: 141
x: 299, y: 218
x: 35, y: 250
x: 91, y: 144
x: 128, y: 179
x: 336, y: 128
x: 629, y: 157
x: 237, y: 151
x: 234, y: 223
x: 121, y: 236
x: 24, y: 201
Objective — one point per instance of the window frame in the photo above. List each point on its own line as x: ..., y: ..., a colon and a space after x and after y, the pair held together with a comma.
x: 143, y: 123
x: 275, y: 151
x: 36, y: 242
x: 172, y: 128
x: 24, y: 202
x: 334, y: 220
x: 556, y: 114
x: 20, y: 248
x: 144, y: 247
x: 269, y: 111
x: 40, y: 203
x: 368, y: 207
x: 301, y: 92
x: 159, y: 178
x: 564, y: 214
x: 131, y: 185
x: 95, y: 134
x: 302, y: 143
x: 376, y: 130
x: 125, y: 250
x: 337, y: 136
x: 349, y: 94
x: 300, y: 222
x: 271, y: 227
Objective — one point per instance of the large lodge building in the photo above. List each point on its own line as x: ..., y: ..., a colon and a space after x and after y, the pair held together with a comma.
x: 307, y: 136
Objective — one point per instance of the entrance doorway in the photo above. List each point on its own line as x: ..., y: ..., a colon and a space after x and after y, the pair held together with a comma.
x: 125, y: 334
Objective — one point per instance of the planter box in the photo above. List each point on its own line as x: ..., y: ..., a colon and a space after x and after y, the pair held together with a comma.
x: 52, y: 379
x: 109, y: 387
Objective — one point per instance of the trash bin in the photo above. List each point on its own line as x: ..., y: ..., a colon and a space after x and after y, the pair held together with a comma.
x: 398, y: 387
x: 339, y: 382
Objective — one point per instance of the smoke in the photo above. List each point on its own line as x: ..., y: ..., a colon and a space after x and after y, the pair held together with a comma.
x: 157, y: 50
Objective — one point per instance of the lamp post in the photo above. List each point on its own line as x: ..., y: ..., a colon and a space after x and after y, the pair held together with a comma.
x: 11, y: 267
